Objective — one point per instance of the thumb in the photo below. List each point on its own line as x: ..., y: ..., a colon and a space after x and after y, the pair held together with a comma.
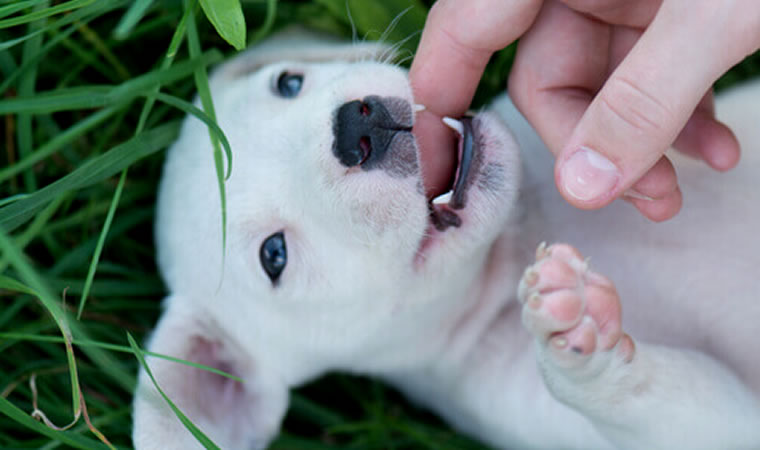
x: 641, y: 109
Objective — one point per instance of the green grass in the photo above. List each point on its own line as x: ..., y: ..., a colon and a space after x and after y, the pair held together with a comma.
x: 91, y: 93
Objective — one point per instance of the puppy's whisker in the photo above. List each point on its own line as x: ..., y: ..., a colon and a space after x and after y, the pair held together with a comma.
x: 404, y: 59
x: 390, y: 55
x: 392, y: 25
x: 354, y: 39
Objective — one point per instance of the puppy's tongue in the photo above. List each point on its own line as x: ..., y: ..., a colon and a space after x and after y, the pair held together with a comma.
x: 438, y: 153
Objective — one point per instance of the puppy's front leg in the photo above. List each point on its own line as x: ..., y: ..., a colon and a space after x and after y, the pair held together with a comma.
x: 638, y: 396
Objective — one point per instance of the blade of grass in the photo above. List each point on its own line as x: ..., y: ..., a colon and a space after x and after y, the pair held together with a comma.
x: 81, y: 253
x: 7, y: 65
x: 189, y: 108
x: 107, y: 346
x: 313, y: 412
x: 35, y: 283
x: 101, y: 242
x: 227, y: 18
x: 93, y: 38
x: 178, y: 34
x: 33, y: 61
x: 26, y: 89
x: 89, y: 97
x: 62, y: 139
x: 89, y: 57
x: 47, y: 12
x: 10, y: 312
x: 288, y: 442
x: 6, y: 11
x: 92, y: 171
x: 34, y: 228
x: 85, y: 14
x: 20, y: 417
x: 102, y: 420
x: 174, y: 43
x: 130, y: 19
x: 196, y: 432
x: 13, y: 285
x: 204, y: 92
x: 266, y: 27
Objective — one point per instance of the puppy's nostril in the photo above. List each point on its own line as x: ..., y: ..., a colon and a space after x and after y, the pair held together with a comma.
x: 358, y: 154
x: 365, y: 145
x: 364, y: 109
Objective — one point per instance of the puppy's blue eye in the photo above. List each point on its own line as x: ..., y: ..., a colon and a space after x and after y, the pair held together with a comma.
x: 289, y: 84
x: 273, y: 255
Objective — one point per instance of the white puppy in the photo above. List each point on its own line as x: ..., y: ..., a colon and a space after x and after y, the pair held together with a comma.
x: 335, y: 260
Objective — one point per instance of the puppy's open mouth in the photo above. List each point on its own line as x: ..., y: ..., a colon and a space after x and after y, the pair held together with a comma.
x: 443, y: 207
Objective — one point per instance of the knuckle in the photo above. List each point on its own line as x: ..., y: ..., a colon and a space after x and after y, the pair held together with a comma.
x: 641, y: 112
x: 592, y: 6
x: 519, y: 86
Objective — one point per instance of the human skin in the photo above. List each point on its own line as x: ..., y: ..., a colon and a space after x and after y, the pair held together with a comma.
x: 609, y: 85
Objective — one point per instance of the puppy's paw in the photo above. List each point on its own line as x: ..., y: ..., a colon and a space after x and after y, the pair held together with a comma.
x: 573, y: 312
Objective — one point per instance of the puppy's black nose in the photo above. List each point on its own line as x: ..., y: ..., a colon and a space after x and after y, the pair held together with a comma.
x: 363, y: 132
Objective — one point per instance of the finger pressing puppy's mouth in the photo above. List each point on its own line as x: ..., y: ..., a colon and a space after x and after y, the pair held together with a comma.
x: 446, y: 166
x: 437, y: 150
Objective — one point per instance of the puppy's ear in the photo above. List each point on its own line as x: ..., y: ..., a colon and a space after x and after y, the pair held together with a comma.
x: 298, y: 44
x: 233, y: 414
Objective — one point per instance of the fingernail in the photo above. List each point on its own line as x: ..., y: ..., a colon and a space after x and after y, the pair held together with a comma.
x: 638, y: 195
x: 588, y: 175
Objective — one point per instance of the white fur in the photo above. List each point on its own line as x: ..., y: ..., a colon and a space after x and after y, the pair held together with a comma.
x: 445, y: 327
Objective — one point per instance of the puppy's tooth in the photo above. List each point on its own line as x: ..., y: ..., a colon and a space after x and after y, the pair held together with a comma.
x: 443, y: 199
x: 417, y: 107
x: 454, y: 125
x: 541, y: 251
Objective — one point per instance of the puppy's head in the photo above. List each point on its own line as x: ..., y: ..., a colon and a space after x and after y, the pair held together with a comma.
x: 326, y: 175
x: 333, y: 250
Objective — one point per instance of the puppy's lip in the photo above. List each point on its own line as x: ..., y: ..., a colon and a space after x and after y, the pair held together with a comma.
x: 442, y: 214
x: 465, y: 152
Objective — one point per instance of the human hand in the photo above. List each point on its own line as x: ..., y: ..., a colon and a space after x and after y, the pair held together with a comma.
x: 624, y: 78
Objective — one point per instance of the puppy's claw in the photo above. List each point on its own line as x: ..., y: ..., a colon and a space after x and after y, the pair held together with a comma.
x: 542, y: 251
x: 534, y: 301
x: 626, y: 348
x: 417, y: 107
x: 586, y: 264
x: 559, y: 342
x: 530, y: 277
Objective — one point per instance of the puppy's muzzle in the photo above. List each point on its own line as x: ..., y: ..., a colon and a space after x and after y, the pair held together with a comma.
x: 367, y: 130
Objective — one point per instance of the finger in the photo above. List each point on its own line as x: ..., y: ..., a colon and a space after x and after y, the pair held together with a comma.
x: 554, y: 99
x: 661, y: 209
x: 458, y: 39
x: 628, y: 13
x: 656, y: 194
x: 560, y: 63
x: 437, y: 150
x: 707, y: 139
x: 639, y: 111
